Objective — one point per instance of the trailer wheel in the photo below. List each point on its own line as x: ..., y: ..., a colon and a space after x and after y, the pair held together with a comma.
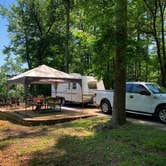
x: 106, y: 106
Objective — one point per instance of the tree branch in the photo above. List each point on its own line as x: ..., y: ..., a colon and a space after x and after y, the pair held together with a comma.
x: 148, y: 6
x: 37, y: 21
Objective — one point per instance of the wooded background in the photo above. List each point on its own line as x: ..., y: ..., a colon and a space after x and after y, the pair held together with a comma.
x: 80, y: 36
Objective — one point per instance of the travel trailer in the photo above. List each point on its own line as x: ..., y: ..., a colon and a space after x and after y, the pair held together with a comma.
x: 72, y: 92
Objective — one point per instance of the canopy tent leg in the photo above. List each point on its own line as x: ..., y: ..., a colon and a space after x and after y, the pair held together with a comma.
x: 82, y: 97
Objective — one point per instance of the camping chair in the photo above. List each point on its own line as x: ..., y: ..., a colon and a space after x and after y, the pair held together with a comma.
x: 54, y: 103
x: 14, y: 101
x: 39, y: 102
x: 2, y: 101
x: 29, y: 102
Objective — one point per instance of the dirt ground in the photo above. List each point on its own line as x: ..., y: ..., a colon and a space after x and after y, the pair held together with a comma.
x: 27, y: 116
x: 20, y: 142
x: 78, y: 110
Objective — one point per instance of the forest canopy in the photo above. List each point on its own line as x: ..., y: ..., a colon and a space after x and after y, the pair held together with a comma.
x: 79, y: 36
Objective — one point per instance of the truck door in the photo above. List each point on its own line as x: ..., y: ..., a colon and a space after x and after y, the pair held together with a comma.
x: 138, y: 99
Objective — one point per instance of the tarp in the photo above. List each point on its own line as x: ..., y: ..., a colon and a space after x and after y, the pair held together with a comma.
x: 40, y: 73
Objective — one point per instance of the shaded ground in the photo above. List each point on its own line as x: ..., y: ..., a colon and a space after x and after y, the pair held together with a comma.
x: 137, y: 119
x: 76, y: 143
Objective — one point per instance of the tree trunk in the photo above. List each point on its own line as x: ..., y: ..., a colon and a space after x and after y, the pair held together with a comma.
x: 146, y: 65
x: 119, y: 115
x: 27, y: 52
x: 162, y: 9
x: 67, y: 7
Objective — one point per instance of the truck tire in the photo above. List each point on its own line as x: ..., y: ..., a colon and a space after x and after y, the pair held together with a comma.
x: 161, y: 114
x: 106, y: 106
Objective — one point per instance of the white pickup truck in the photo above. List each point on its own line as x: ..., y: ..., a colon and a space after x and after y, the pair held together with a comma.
x: 141, y: 98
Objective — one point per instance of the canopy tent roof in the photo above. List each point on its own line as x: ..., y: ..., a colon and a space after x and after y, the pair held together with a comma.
x: 40, y: 73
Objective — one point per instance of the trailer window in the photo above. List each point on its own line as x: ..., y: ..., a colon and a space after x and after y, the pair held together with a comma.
x: 74, y: 86
x: 92, y: 85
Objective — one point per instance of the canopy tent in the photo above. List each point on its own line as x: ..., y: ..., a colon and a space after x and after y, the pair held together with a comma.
x: 41, y: 75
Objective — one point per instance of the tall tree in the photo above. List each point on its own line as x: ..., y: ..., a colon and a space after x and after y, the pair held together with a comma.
x: 156, y: 10
x: 37, y: 32
x: 119, y: 115
x: 67, y: 4
x: 98, y: 49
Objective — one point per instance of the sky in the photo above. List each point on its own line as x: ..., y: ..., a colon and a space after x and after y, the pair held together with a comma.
x: 4, y: 37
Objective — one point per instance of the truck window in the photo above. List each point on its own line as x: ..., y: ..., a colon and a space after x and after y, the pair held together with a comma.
x: 156, y: 89
x: 129, y: 88
x: 138, y: 88
x: 92, y: 85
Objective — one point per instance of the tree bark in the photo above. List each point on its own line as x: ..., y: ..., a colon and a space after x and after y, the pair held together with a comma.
x: 119, y: 115
x: 162, y: 9
x: 27, y: 54
x: 67, y: 7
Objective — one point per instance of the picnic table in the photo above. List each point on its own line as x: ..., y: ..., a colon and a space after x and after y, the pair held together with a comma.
x: 47, y: 103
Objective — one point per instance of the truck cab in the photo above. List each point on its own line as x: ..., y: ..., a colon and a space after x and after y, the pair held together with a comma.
x: 143, y: 97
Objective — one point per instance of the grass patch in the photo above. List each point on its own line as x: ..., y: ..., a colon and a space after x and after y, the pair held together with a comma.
x: 74, y: 143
